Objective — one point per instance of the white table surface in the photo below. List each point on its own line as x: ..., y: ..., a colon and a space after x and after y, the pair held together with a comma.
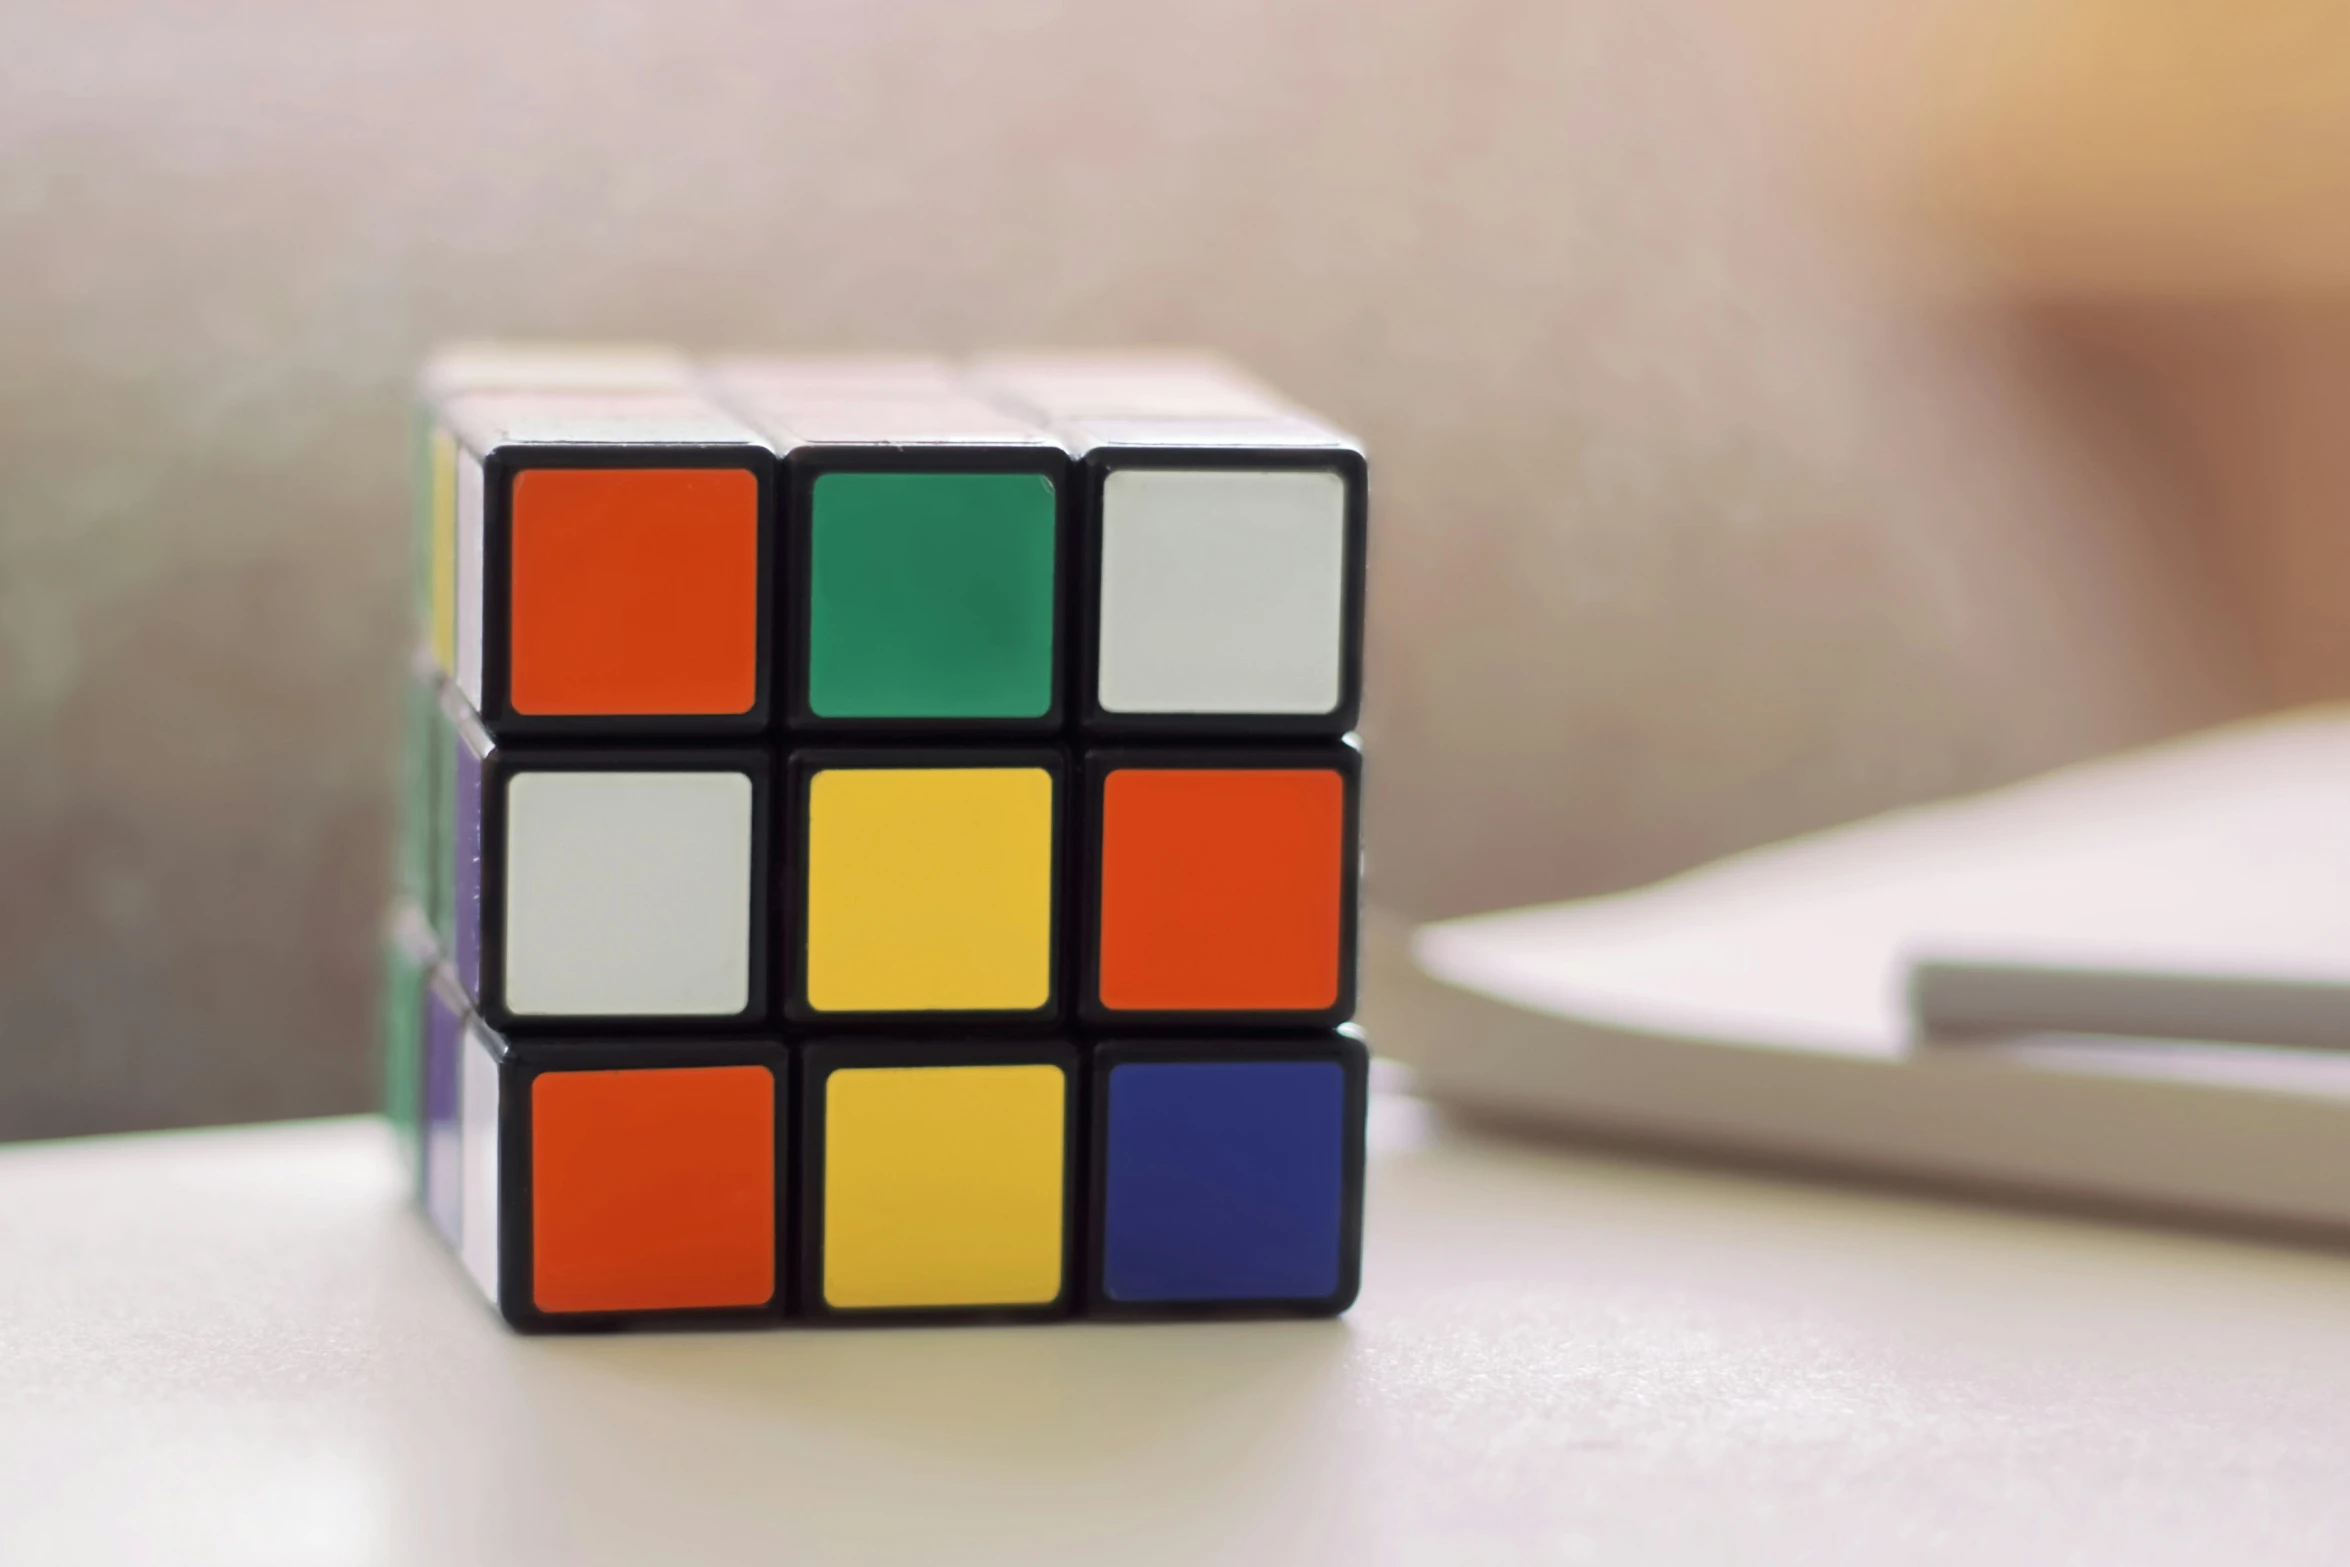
x: 239, y: 1347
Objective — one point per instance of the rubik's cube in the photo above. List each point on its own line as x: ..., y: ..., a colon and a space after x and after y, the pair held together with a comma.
x: 881, y: 839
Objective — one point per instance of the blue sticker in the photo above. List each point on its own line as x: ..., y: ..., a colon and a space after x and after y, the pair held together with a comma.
x: 1224, y: 1180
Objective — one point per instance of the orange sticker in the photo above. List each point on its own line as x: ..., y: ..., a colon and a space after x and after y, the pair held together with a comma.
x: 1221, y: 889
x: 635, y: 591
x: 652, y: 1188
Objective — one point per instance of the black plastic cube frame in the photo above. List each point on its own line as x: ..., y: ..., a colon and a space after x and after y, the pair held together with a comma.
x: 819, y: 1059
x: 500, y: 764
x: 499, y: 468
x: 1094, y: 468
x: 802, y: 467
x: 1340, y: 756
x: 1344, y: 1046
x: 800, y: 770
x: 523, y: 1062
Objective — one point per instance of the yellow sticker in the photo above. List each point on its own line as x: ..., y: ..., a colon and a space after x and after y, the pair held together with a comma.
x: 444, y: 549
x: 943, y: 1185
x: 930, y: 889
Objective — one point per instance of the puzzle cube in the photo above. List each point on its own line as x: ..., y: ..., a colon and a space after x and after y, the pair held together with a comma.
x: 936, y: 1177
x: 926, y: 886
x: 600, y: 561
x: 588, y: 1182
x: 1220, y: 548
x: 594, y: 886
x: 1226, y: 1176
x: 1220, y: 886
x: 692, y: 1012
x: 927, y: 536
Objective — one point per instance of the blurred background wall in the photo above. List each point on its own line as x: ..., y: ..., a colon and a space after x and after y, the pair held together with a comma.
x: 1704, y: 513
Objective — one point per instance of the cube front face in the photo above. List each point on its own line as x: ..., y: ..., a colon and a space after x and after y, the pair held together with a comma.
x: 1226, y: 593
x: 1227, y: 1179
x: 616, y: 593
x: 635, y: 591
x: 932, y: 600
x: 937, y: 1178
x: 654, y: 1188
x: 928, y: 884
x: 1221, y: 885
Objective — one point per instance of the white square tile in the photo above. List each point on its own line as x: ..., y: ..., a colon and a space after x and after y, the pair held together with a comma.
x: 1222, y: 591
x: 628, y: 893
x: 477, y: 1118
x: 470, y: 545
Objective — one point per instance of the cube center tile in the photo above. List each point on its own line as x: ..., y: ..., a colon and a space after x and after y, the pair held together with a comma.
x: 931, y: 595
x: 930, y: 889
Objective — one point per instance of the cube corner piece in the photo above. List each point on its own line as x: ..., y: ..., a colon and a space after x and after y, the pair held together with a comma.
x: 612, y: 562
x: 590, y: 1185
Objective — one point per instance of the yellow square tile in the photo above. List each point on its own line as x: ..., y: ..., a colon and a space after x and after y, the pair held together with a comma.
x: 442, y: 583
x: 943, y: 1185
x: 930, y: 889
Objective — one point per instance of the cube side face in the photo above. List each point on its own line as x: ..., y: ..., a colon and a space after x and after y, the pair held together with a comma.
x: 623, y: 890
x: 937, y: 1179
x: 928, y: 587
x: 1220, y: 887
x: 1222, y: 592
x: 652, y: 1189
x: 623, y: 591
x: 927, y: 886
x: 1226, y: 1176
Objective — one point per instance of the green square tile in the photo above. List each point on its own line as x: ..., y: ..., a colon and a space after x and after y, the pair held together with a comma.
x: 417, y: 824
x: 402, y: 1021
x: 931, y: 595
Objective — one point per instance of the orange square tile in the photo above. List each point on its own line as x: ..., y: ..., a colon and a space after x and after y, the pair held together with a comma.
x: 1221, y: 889
x: 635, y: 591
x: 653, y: 1188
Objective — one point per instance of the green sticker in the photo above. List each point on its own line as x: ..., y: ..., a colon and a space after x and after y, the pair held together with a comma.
x: 931, y: 595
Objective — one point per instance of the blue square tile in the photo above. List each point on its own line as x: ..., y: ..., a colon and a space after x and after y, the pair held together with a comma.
x: 1224, y: 1180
